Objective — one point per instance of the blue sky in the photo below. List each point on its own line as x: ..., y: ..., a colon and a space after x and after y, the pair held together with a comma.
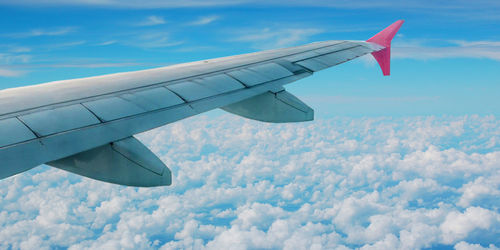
x: 410, y: 161
x: 445, y: 58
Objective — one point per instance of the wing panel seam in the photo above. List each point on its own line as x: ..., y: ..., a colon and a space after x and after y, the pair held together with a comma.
x: 30, y: 129
x: 92, y: 112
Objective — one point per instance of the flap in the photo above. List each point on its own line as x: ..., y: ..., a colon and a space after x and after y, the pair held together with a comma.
x: 272, y: 107
x: 126, y: 162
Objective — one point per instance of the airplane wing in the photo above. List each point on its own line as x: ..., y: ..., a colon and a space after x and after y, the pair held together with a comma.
x: 86, y: 126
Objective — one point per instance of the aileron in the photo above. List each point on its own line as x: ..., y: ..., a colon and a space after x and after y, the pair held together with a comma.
x: 221, y: 83
x: 152, y: 99
x: 191, y: 91
x: 60, y: 119
x: 113, y: 108
x: 14, y: 131
x: 247, y: 77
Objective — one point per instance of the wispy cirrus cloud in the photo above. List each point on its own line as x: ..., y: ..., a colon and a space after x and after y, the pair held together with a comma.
x: 135, y: 4
x: 204, y: 20
x: 18, y: 49
x: 148, y: 4
x: 23, y: 69
x: 61, y: 45
x: 43, y: 32
x: 68, y: 44
x: 151, y: 21
x: 9, y: 58
x: 88, y: 65
x: 153, y: 39
x: 106, y: 43
x: 268, y: 38
x: 456, y: 49
x: 11, y: 73
x: 16, y: 55
x: 476, y: 43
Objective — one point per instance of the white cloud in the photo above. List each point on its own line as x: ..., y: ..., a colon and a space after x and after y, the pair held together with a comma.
x: 130, y: 3
x: 268, y: 38
x: 11, y: 72
x: 405, y: 4
x: 457, y: 226
x: 14, y: 58
x: 157, y: 39
x: 151, y: 21
x: 106, y: 43
x: 66, y: 45
x: 369, y: 183
x: 477, y: 43
x: 27, y: 67
x: 483, y: 190
x: 466, y: 246
x: 204, y: 20
x: 457, y: 49
x: 86, y: 65
x: 17, y: 49
x: 43, y: 32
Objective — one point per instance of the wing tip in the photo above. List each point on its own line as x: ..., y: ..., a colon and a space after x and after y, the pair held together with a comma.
x: 384, y: 38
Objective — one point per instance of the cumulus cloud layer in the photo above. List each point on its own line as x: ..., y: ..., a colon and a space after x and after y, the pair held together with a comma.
x: 371, y: 183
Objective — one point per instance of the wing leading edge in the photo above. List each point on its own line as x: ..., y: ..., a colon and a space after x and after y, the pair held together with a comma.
x: 85, y: 125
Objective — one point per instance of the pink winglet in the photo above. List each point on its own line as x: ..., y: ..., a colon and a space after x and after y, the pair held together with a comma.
x: 384, y: 38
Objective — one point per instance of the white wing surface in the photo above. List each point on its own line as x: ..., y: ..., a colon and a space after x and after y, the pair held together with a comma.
x: 86, y: 125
